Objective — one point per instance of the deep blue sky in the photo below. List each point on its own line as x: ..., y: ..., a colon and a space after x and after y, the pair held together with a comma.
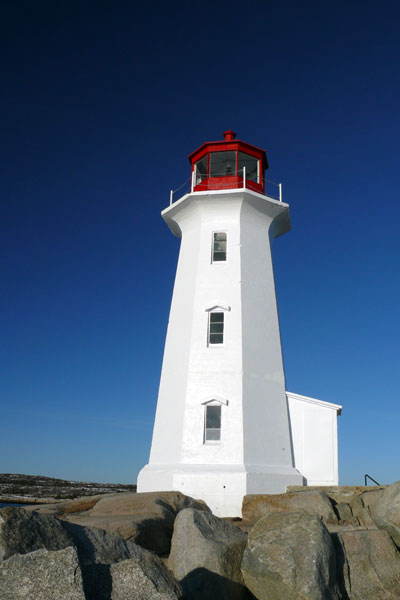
x: 101, y: 102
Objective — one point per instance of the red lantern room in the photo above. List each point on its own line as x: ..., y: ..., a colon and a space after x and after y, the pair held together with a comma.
x: 228, y: 164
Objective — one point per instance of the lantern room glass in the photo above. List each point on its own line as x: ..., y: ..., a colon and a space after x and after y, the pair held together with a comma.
x: 251, y: 165
x: 201, y: 169
x: 222, y: 164
x: 229, y: 164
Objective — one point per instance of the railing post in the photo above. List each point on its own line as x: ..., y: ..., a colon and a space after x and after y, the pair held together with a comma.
x: 193, y: 178
x: 244, y: 177
x: 280, y: 192
x: 171, y: 195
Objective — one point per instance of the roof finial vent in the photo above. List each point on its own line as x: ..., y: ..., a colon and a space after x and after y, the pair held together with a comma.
x: 229, y: 135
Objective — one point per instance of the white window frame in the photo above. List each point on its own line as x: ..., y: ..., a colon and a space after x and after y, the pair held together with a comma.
x: 210, y: 403
x: 209, y: 333
x: 216, y: 308
x: 219, y: 262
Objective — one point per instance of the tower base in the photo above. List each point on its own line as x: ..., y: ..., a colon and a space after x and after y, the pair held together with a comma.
x: 222, y: 487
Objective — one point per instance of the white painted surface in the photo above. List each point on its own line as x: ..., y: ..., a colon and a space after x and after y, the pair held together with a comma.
x: 314, y: 435
x: 255, y: 452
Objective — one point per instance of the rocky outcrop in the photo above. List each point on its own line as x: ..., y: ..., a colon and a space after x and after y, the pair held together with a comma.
x: 352, y: 504
x: 42, y: 575
x: 206, y: 555
x: 146, y: 519
x: 99, y: 551
x: 315, y: 503
x: 22, y: 532
x: 290, y: 556
x: 368, y: 565
x: 30, y: 488
x: 386, y: 511
x: 141, y: 579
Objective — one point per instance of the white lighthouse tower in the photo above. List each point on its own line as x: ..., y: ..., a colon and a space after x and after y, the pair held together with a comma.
x: 222, y: 427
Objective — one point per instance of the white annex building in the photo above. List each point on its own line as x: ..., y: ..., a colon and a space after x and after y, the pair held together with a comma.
x: 225, y: 425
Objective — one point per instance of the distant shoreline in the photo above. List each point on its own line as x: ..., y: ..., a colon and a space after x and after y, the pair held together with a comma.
x: 37, y: 489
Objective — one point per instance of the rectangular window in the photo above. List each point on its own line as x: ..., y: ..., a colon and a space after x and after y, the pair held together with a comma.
x: 216, y: 328
x: 219, y: 247
x: 212, y: 424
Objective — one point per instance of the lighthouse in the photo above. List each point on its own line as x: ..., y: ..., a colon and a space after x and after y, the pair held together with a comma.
x: 222, y: 427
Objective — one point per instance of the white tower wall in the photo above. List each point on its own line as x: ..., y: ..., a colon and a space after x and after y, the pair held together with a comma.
x: 265, y: 418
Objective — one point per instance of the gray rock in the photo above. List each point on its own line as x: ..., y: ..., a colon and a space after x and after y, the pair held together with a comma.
x: 344, y: 512
x: 337, y: 493
x: 146, y: 519
x: 290, y: 556
x: 314, y: 503
x: 206, y: 555
x: 361, y: 512
x: 346, y: 516
x: 370, y: 565
x: 371, y: 497
x: 96, y: 546
x: 143, y: 579
x: 41, y: 575
x: 386, y: 511
x: 99, y: 551
x: 22, y: 532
